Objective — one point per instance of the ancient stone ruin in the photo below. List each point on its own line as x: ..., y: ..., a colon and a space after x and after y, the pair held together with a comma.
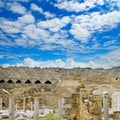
x: 79, y: 90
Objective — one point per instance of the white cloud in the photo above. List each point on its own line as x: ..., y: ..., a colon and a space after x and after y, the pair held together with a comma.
x: 18, y: 0
x: 1, y: 4
x: 113, y: 56
x: 47, y: 14
x: 55, y: 24
x: 100, y: 2
x: 1, y: 56
x: 76, y: 6
x: 34, y: 7
x: 108, y: 43
x: 5, y: 65
x: 13, y: 27
x: 118, y: 3
x: 10, y: 26
x: 79, y: 32
x: 85, y: 25
x: 23, y: 0
x: 26, y: 19
x: 48, y: 47
x: 113, y: 4
x: 108, y: 60
x: 23, y: 41
x: 18, y: 8
x: 69, y: 63
x: 35, y: 33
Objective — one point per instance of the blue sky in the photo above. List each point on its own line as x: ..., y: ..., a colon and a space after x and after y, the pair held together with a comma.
x: 60, y: 33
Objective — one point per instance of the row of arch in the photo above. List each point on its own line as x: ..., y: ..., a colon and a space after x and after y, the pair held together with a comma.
x: 26, y: 82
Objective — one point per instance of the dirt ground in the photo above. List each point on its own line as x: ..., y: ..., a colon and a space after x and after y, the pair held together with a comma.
x: 27, y: 119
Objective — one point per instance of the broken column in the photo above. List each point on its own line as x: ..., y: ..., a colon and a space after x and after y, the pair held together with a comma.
x: 60, y: 109
x: 16, y: 106
x: 36, y: 108
x: 105, y: 106
x: 31, y: 105
x: 11, y: 108
x: 24, y: 99
x: 0, y: 103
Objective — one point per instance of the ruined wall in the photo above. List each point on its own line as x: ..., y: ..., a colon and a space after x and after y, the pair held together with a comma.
x: 71, y: 107
x: 56, y: 75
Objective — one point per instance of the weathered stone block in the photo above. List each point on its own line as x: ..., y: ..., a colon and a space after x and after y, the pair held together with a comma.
x: 67, y: 106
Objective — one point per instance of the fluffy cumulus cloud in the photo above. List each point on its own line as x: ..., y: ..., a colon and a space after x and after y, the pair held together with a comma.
x: 17, y: 8
x: 34, y: 7
x: 86, y: 5
x: 8, y: 26
x: 80, y: 32
x: 69, y: 63
x: 47, y: 14
x: 54, y: 24
x: 77, y: 6
x: 26, y: 19
x: 85, y: 25
x: 108, y: 60
x: 35, y: 33
x: 102, y: 61
x: 14, y: 27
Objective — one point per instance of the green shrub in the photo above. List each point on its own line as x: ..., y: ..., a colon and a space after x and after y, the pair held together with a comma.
x: 51, y: 116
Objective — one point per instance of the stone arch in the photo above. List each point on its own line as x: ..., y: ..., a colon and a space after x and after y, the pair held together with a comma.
x: 18, y: 81
x: 3, y: 104
x: 116, y: 78
x: 28, y: 82
x: 48, y: 82
x: 2, y: 81
x: 10, y: 81
x: 37, y: 82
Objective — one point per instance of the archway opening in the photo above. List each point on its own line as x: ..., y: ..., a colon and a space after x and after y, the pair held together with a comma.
x: 28, y: 82
x: 2, y: 81
x: 48, y: 82
x: 37, y: 82
x: 18, y: 81
x: 10, y: 81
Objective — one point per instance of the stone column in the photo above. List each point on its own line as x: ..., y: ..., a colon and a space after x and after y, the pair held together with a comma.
x: 60, y: 109
x: 24, y: 99
x: 16, y: 106
x: 11, y: 108
x: 31, y: 105
x: 105, y: 107
x: 36, y: 108
x: 0, y: 103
